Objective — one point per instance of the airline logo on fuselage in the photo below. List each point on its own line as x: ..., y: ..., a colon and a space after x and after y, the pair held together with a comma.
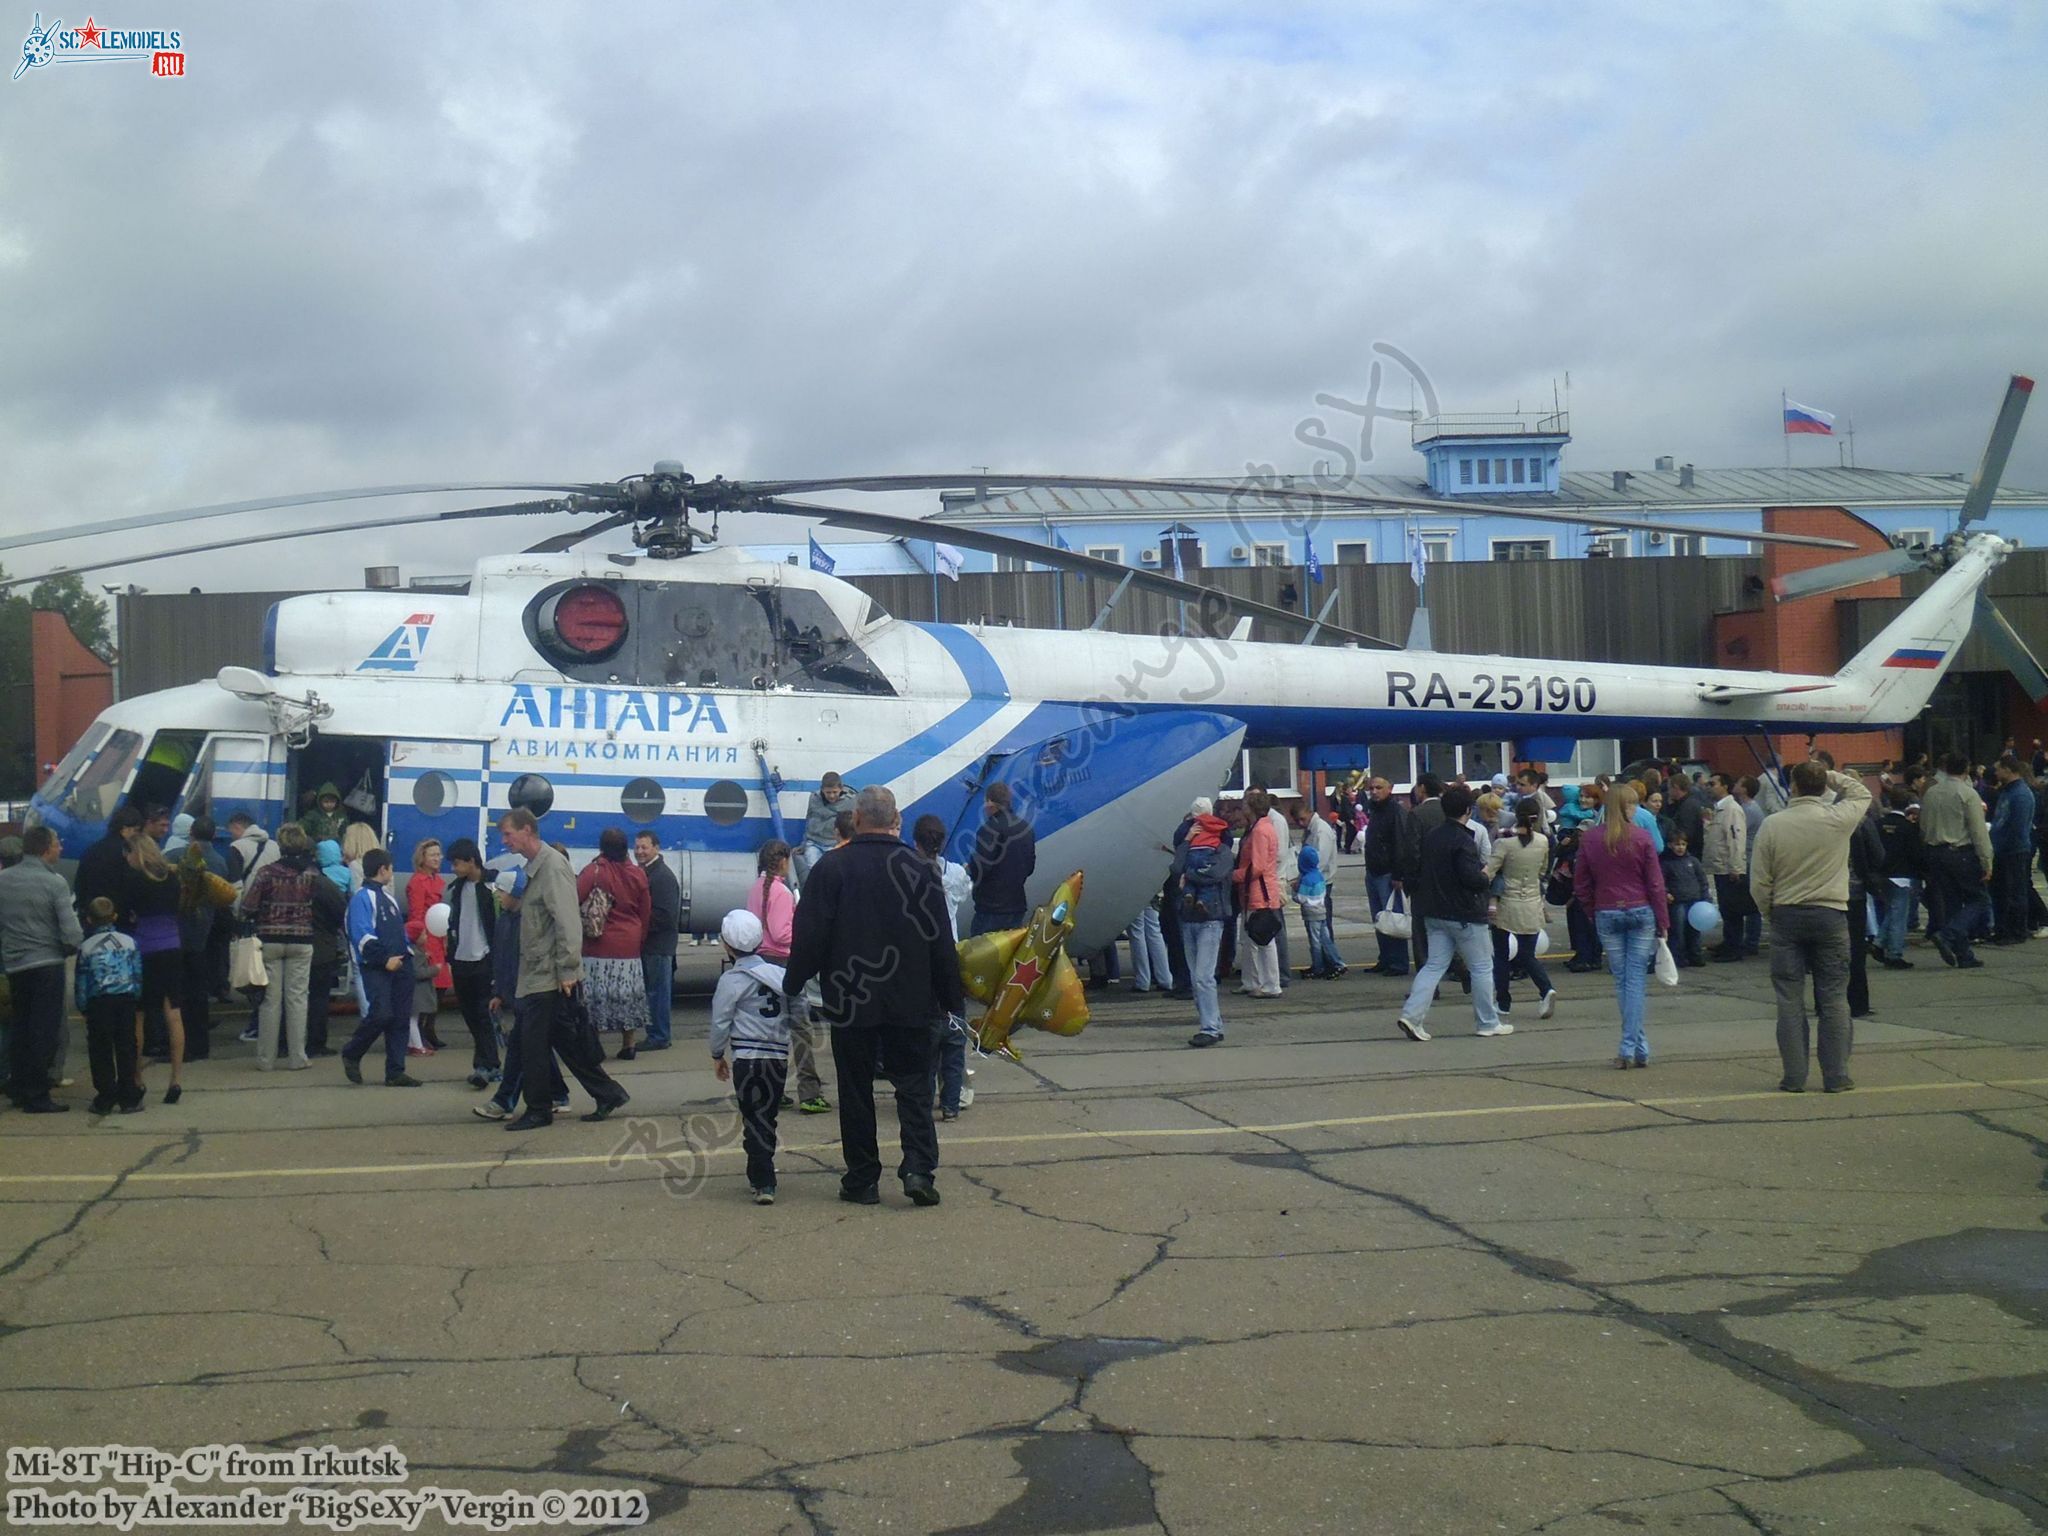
x: 554, y: 708
x: 400, y: 651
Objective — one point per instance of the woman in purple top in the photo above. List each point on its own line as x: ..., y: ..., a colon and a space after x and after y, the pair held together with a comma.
x: 151, y: 900
x: 1621, y: 884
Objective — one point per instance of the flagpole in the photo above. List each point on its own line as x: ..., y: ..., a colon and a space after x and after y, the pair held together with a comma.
x: 935, y: 581
x: 1785, y: 432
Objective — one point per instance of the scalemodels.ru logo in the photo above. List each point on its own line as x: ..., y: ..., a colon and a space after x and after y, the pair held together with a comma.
x: 163, y: 51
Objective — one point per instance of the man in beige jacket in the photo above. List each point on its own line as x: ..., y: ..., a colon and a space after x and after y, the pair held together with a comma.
x: 1799, y: 879
x: 550, y: 971
x: 1725, y: 856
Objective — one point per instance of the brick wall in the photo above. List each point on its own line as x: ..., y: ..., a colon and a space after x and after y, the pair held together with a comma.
x: 72, y: 686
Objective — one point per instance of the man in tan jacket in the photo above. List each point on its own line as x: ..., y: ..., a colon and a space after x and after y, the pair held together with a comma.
x: 1799, y: 879
x: 1725, y: 856
x: 550, y: 971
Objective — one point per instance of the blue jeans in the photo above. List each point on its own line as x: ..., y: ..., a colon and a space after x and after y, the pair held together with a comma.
x: 1899, y: 902
x: 1629, y: 935
x: 1379, y: 892
x: 660, y: 973
x: 1204, y: 942
x: 1322, y: 949
x: 1470, y: 942
x: 1148, y: 952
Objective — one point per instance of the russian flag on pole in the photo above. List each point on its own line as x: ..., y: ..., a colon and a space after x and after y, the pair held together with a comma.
x: 1804, y: 418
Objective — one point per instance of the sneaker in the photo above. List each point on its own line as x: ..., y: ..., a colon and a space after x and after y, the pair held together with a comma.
x: 817, y: 1106
x: 765, y: 1196
x: 1840, y: 1085
x: 1202, y: 1037
x: 1411, y: 1029
x: 248, y: 1035
x: 949, y: 1114
x: 478, y: 1080
x: 403, y: 1080
x: 1502, y: 1028
x: 1549, y: 1004
x: 490, y: 1109
x: 967, y: 1094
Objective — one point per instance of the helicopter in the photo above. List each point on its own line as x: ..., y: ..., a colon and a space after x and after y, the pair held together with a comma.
x: 702, y: 694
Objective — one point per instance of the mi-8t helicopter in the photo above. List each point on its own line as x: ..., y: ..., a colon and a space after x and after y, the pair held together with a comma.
x: 706, y: 697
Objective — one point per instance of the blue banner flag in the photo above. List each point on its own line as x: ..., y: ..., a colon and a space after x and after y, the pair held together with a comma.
x: 1315, y: 566
x: 820, y: 561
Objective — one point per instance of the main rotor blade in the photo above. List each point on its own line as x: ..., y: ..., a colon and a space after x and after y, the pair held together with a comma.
x: 1845, y: 573
x: 563, y: 542
x: 309, y: 498
x: 1257, y: 491
x: 1058, y: 559
x: 272, y: 536
x: 1991, y: 468
x: 2012, y: 650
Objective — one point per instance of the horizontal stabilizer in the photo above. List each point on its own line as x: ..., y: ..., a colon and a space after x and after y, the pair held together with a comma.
x: 1728, y: 693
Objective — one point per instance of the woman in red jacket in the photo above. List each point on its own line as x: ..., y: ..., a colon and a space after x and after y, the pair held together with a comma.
x: 612, y: 891
x: 1621, y: 883
x: 423, y: 890
x: 1257, y: 879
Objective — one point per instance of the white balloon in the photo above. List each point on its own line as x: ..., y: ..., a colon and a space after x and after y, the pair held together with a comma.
x: 1542, y: 941
x: 437, y: 919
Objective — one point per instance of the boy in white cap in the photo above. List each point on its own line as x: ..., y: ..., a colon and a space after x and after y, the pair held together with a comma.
x: 749, y: 1017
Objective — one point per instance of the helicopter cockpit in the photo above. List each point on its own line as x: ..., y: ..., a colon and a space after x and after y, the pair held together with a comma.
x: 699, y: 635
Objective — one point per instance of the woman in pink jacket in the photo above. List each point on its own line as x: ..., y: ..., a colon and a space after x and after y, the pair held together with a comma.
x: 1259, y: 889
x: 1620, y: 882
x: 770, y: 899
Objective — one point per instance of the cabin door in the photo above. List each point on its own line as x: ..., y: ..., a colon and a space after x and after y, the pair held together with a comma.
x: 241, y: 772
x: 432, y: 789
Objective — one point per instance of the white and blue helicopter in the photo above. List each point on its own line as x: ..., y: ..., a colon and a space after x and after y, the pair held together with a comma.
x: 705, y: 697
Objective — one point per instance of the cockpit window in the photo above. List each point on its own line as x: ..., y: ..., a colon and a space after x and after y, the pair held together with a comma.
x: 706, y: 635
x: 98, y: 790
x: 58, y: 785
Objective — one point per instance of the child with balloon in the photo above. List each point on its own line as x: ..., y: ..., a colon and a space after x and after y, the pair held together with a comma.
x: 1685, y: 887
x: 1517, y: 863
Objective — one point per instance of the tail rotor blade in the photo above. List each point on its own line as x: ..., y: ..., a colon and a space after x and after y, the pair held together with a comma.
x: 1844, y: 573
x: 2012, y: 650
x: 1992, y: 467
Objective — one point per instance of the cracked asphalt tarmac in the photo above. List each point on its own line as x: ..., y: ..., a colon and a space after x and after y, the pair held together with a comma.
x: 1318, y: 1279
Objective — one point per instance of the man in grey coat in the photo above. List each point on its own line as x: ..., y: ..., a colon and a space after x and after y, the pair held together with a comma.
x: 38, y: 928
x: 550, y: 971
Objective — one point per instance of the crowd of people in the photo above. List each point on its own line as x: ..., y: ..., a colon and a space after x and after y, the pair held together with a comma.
x: 553, y: 971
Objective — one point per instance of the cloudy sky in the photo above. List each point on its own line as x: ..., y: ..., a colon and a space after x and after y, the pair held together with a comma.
x: 372, y: 244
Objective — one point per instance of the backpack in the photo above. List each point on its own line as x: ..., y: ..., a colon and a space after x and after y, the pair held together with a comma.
x: 597, y: 910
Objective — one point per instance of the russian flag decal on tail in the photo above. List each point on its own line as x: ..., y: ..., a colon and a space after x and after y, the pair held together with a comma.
x: 1915, y: 659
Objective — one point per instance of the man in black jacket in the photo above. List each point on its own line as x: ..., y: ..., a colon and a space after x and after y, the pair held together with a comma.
x: 1450, y: 887
x: 658, y: 949
x: 1005, y: 853
x: 1387, y: 819
x: 874, y: 931
x: 103, y: 868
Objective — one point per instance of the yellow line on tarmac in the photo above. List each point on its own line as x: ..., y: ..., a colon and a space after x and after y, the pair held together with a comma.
x: 636, y: 1155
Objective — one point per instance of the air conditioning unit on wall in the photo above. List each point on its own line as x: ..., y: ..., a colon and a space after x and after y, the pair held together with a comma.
x: 1149, y: 557
x: 1240, y: 552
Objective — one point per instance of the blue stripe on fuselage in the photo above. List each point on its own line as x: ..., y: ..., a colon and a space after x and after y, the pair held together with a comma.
x: 987, y: 692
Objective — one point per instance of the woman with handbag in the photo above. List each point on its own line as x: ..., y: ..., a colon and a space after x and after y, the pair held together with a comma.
x: 1621, y: 885
x: 279, y: 902
x: 1259, y: 898
x: 425, y: 890
x: 1517, y: 865
x: 615, y: 903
